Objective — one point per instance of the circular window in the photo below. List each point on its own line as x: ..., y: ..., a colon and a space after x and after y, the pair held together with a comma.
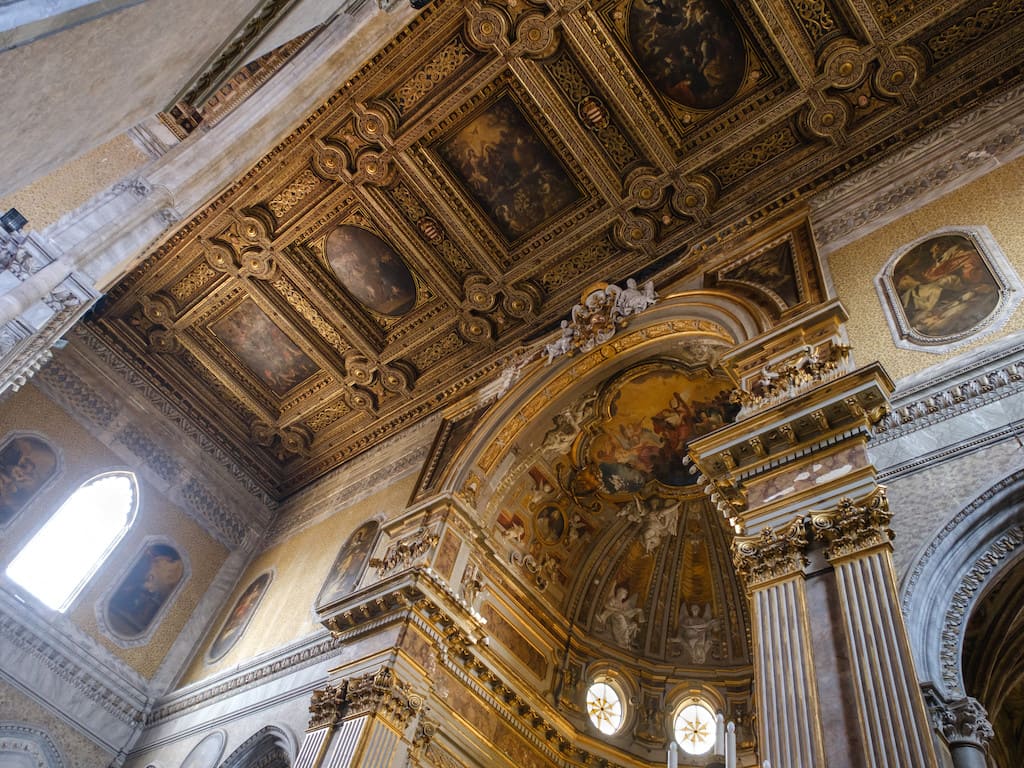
x: 695, y: 728
x: 604, y: 705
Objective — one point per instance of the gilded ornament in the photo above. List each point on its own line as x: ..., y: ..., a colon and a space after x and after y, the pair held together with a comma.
x: 771, y: 554
x: 854, y: 526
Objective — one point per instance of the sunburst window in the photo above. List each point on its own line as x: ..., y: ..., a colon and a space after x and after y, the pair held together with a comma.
x: 604, y: 705
x: 695, y: 728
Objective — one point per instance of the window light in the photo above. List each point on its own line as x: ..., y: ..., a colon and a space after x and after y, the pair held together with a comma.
x: 65, y: 553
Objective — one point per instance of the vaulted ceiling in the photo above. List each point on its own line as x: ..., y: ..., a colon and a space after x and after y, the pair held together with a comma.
x: 449, y: 204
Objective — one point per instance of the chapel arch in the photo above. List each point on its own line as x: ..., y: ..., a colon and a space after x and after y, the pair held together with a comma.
x: 269, y: 747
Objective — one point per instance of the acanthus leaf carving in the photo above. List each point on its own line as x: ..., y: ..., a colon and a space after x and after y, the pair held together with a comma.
x: 854, y: 526
x: 771, y: 555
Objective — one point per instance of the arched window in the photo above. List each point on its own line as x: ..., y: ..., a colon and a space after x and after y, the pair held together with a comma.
x: 65, y: 553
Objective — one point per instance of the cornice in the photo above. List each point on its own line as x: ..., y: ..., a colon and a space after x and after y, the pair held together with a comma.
x: 947, y: 158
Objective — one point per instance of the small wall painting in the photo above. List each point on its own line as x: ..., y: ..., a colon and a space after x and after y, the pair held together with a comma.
x: 370, y: 270
x: 772, y: 271
x: 239, y: 617
x: 26, y: 464
x: 145, y: 589
x: 349, y: 564
x: 947, y: 288
x: 508, y: 169
x: 550, y: 524
x: 263, y: 347
x: 691, y: 50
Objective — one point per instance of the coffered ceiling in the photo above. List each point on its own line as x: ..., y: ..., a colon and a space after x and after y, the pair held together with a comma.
x: 449, y: 204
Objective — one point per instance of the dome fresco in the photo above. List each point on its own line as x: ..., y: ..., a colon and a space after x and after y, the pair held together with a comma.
x: 370, y: 270
x: 608, y: 524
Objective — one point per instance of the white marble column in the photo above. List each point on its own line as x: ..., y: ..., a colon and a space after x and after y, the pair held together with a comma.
x: 789, y: 723
x: 894, y: 724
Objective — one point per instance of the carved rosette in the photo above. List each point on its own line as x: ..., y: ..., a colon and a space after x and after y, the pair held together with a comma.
x: 770, y: 555
x: 964, y: 722
x: 854, y: 527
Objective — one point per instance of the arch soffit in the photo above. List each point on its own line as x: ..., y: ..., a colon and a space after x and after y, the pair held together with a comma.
x: 951, y: 574
x: 265, y: 740
x: 20, y: 739
x: 699, y: 315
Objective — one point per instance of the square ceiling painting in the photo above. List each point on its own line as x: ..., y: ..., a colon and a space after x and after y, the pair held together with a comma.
x: 254, y: 339
x: 510, y: 172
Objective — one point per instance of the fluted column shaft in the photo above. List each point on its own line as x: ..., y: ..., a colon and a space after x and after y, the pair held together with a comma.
x: 894, y: 724
x: 771, y: 565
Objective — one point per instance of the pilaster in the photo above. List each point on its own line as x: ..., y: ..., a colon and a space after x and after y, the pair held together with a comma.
x: 771, y: 564
x: 835, y: 677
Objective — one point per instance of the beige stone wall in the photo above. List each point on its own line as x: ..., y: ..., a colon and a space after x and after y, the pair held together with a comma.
x: 76, y: 749
x: 83, y: 458
x: 301, y: 564
x: 47, y: 199
x: 992, y: 201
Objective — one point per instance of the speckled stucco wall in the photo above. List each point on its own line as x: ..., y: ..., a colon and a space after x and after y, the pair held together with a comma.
x: 76, y: 749
x: 993, y: 201
x: 47, y: 199
x: 301, y: 564
x: 83, y: 458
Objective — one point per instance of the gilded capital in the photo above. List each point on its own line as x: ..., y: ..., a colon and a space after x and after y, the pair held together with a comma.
x: 771, y: 554
x: 377, y: 693
x: 854, y: 526
x: 381, y: 693
x: 327, y: 705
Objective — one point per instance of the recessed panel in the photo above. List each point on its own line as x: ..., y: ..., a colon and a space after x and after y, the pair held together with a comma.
x: 691, y: 50
x: 370, y: 270
x: 264, y: 348
x: 508, y: 169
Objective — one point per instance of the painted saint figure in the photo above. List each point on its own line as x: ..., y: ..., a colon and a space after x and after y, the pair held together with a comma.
x: 26, y: 463
x: 621, y: 616
x: 945, y: 287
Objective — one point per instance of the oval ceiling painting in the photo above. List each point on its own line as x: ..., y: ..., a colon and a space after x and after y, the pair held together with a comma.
x: 370, y: 270
x: 691, y: 50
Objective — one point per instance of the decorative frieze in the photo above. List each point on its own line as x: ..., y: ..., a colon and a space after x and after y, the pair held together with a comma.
x: 404, y: 553
x: 808, y: 367
x: 854, y: 527
x: 771, y: 555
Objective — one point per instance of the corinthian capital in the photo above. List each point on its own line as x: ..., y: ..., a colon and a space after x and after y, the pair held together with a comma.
x: 854, y: 526
x: 964, y: 722
x: 382, y: 693
x: 771, y: 554
x: 327, y: 705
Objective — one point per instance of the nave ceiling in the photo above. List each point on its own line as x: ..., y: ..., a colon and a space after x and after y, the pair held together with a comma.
x: 431, y: 223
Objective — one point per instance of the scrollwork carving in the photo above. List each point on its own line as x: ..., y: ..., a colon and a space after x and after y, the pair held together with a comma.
x: 806, y: 368
x: 771, y: 554
x: 405, y: 552
x: 854, y: 526
x: 603, y: 310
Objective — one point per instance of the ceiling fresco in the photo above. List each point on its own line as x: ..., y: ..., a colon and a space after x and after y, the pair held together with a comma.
x: 450, y: 203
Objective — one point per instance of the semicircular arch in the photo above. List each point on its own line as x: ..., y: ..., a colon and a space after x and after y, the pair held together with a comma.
x: 948, y: 579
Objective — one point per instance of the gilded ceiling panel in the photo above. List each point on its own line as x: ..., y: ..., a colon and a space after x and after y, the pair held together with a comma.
x: 449, y: 204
